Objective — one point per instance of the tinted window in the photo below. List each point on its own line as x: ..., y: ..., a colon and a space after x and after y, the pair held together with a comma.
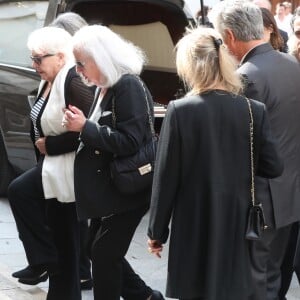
x: 17, y: 20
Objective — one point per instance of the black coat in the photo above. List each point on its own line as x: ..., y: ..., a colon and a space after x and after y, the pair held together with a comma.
x: 274, y: 79
x: 96, y: 196
x: 202, y: 181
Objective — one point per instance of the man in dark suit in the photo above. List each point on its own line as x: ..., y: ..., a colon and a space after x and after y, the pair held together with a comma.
x: 274, y: 79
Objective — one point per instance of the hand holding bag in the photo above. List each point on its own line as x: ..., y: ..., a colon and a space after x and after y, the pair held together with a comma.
x: 134, y: 173
x: 256, y: 220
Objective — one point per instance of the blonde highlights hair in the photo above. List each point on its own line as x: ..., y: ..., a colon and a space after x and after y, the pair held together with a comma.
x: 204, y: 63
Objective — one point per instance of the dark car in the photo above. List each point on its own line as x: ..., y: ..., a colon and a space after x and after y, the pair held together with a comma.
x: 154, y: 25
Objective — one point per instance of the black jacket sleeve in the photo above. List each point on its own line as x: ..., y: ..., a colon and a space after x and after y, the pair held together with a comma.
x: 77, y: 94
x: 270, y: 164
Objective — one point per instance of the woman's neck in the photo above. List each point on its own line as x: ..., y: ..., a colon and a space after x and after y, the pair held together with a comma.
x: 47, y: 89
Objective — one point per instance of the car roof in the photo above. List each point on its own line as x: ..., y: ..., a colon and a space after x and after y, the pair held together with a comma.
x: 179, y: 3
x: 153, y: 25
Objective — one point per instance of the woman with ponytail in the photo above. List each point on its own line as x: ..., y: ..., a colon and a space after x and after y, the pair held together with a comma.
x: 202, y: 174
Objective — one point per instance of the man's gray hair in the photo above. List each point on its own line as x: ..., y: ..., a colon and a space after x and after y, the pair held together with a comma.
x: 242, y: 17
x: 69, y: 21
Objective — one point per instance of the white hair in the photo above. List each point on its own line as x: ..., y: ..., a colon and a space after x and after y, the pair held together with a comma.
x: 112, y: 54
x: 51, y: 40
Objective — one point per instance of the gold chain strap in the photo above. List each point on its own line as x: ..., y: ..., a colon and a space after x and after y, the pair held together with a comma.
x: 150, y: 119
x: 251, y: 126
x: 151, y: 122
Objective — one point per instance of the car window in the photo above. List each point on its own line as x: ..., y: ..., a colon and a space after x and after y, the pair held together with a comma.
x: 156, y: 41
x: 17, y: 20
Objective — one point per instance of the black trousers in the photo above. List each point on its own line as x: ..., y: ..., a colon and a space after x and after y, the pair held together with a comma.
x: 49, y: 231
x: 266, y: 259
x: 291, y: 261
x: 112, y: 274
x: 84, y: 260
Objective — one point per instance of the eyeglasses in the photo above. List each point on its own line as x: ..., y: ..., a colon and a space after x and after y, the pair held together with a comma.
x: 80, y: 64
x: 38, y: 59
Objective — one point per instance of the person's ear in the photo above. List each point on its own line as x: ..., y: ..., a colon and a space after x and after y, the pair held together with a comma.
x: 61, y: 59
x: 229, y: 36
x: 60, y: 55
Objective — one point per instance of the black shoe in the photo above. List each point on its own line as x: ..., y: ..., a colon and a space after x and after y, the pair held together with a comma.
x: 32, y: 274
x: 35, y: 280
x: 156, y: 295
x: 21, y: 273
x: 86, y: 284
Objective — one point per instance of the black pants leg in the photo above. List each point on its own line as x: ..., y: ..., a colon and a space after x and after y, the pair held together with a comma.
x: 287, y: 267
x: 278, y: 249
x: 133, y: 287
x: 112, y: 275
x: 259, y: 255
x: 44, y: 231
x: 62, y: 218
x: 26, y: 198
x: 84, y: 261
x: 297, y: 254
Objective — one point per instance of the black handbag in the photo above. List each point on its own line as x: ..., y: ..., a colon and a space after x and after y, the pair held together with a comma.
x: 133, y: 174
x: 256, y: 219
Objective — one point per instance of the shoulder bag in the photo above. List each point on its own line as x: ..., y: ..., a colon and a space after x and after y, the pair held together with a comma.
x: 133, y: 174
x: 256, y: 220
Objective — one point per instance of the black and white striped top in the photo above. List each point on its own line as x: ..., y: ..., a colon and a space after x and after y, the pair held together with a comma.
x: 34, y: 115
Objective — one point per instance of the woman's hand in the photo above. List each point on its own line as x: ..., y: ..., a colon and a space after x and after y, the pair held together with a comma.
x: 155, y: 247
x: 41, y: 145
x: 73, y: 119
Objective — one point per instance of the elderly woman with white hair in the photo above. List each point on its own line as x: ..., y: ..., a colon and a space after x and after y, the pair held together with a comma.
x: 118, y: 125
x: 46, y: 192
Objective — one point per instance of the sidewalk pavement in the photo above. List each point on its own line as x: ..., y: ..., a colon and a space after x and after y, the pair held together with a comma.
x: 12, y: 258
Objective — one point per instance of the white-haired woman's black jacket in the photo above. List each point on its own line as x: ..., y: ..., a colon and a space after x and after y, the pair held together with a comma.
x: 96, y: 196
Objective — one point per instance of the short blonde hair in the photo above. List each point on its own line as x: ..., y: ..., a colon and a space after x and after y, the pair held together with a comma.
x: 204, y: 63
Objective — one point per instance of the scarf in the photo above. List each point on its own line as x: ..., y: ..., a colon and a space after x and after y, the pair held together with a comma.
x: 57, y: 170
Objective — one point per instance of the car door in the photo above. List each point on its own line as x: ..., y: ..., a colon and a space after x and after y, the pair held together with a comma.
x: 153, y: 25
x: 17, y: 81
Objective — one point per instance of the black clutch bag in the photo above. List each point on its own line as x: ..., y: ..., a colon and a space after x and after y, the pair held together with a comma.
x: 256, y: 219
x: 256, y: 222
